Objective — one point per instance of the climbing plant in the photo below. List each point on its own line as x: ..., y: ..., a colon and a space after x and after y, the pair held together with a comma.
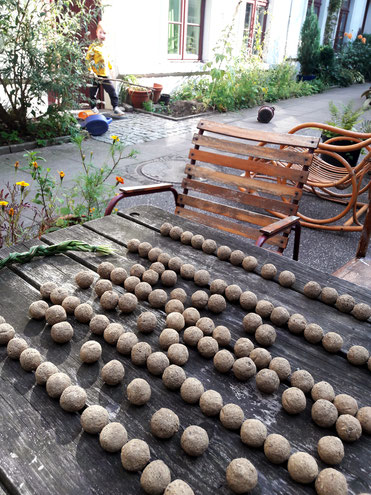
x: 332, y: 17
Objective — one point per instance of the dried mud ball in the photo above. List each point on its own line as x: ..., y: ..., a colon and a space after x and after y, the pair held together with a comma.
x: 236, y: 257
x: 98, y: 324
x: 157, y: 298
x: 187, y: 271
x: 277, y: 448
x: 7, y: 332
x: 364, y: 417
x: 113, y: 372
x: 179, y: 294
x: 132, y: 245
x: 302, y: 467
x: 192, y: 335
x: 211, y: 403
x: 70, y: 304
x: 324, y: 413
x: 176, y: 321
x: 109, y: 300
x: 312, y: 289
x: 94, y: 419
x: 58, y: 295
x: 224, y: 253
x: 222, y: 335
x: 61, y: 332
x: 286, y: 278
x: 348, y: 428
x: 231, y: 416
x: 84, y: 279
x: 178, y: 487
x: 191, y: 390
x: 113, y: 437
x: 361, y: 311
x: 186, y: 237
x: 38, y: 309
x: 243, y: 347
x: 302, y: 379
x: 331, y: 450
x: 154, y: 253
x: 135, y: 455
x: 332, y: 342
x: 249, y: 263
x: 207, y: 347
x: 313, y: 333
x: 150, y: 276
x: 164, y: 259
x: 281, y: 366
x: 157, y: 362
x: 2, y: 320
x: 169, y: 278
x: 167, y: 337
x: 112, y: 333
x: 265, y: 335
x: 331, y: 482
x: 102, y: 286
x: 175, y: 264
x: 90, y: 352
x: 138, y: 392
x: 131, y: 282
x: 293, y: 400
x: 56, y: 384
x: 223, y: 361
x: 253, y: 433
x: 268, y: 271
x: 146, y: 322
x: 345, y: 303
x: 197, y: 241
x: 178, y: 354
x: 165, y: 229
x: 202, y: 278
x: 345, y: 404
x: 118, y: 275
x: 322, y: 390
x: 297, y: 323
x: 244, y: 368
x: 175, y: 233
x: 144, y: 248
x: 157, y: 267
x: 209, y: 246
x: 173, y: 377
x: 264, y: 308
x: 164, y: 423
x: 241, y: 475
x: 45, y: 289
x: 279, y: 316
x: 128, y: 303
x: 53, y: 315
x: 329, y: 295
x: 84, y: 313
x: 261, y: 357
x: 233, y: 293
x: 15, y: 347
x: 358, y: 355
x: 267, y: 381
x: 126, y: 342
x: 44, y: 371
x: 73, y: 398
x: 104, y: 269
x: 140, y: 352
x: 206, y: 325
x: 251, y: 322
x: 137, y: 270
x: 194, y: 440
x: 216, y: 303
x: 30, y: 359
x: 191, y: 316
x: 155, y: 478
x: 218, y: 286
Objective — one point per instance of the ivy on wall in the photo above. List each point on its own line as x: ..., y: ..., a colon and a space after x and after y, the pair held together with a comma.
x: 331, y: 21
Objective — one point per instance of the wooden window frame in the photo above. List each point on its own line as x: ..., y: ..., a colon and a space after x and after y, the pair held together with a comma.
x: 344, y: 12
x: 255, y: 5
x: 183, y: 33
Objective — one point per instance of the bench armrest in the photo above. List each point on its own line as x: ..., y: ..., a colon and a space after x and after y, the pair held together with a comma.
x: 278, y: 227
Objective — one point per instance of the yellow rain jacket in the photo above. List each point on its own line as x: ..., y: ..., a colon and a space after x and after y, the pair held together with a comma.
x: 98, y: 59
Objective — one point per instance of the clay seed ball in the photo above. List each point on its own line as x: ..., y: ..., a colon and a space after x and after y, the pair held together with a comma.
x: 132, y: 245
x: 218, y: 286
x: 191, y: 390
x: 261, y: 357
x: 191, y: 316
x: 165, y: 229
x: 144, y: 248
x: 157, y: 298
x: 222, y: 335
x: 297, y: 323
x: 175, y: 233
x: 15, y: 347
x: 302, y: 467
x: 58, y: 295
x: 216, y: 303
x: 286, y: 278
x: 38, y: 309
x: 54, y: 314
x: 138, y: 392
x: 178, y: 487
x: 186, y: 237
x: 322, y: 390
x: 62, y: 332
x: 207, y: 347
x: 361, y: 311
x: 90, y: 352
x: 102, y: 286
x: 56, y: 383
x: 312, y: 289
x: 175, y: 264
x: 73, y: 398
x: 131, y: 282
x: 277, y: 448
x: 45, y: 289
x: 112, y: 333
x: 268, y: 271
x: 345, y: 404
x: 293, y: 400
x: 155, y: 477
x: 118, y: 275
x: 364, y: 417
x: 358, y: 355
x: 179, y: 294
x: 265, y: 335
x: 211, y: 403
x: 331, y: 450
x: 267, y: 381
x: 197, y: 241
x: 279, y: 316
x: 187, y: 271
x: 251, y: 322
x: 233, y: 293
x: 348, y: 428
x: 140, y: 352
x: 329, y: 295
x: 313, y: 333
x: 169, y: 278
x: 176, y: 321
x: 2, y: 319
x: 154, y: 253
x: 324, y: 413
x: 150, y: 276
x: 30, y: 359
x: 7, y: 332
x: 302, y: 379
x: 178, y: 354
x: 201, y: 278
x: 264, y: 308
x: 281, y: 366
x: 164, y: 423
x: 135, y: 455
x: 167, y: 337
x: 224, y: 253
x: 192, y: 335
x: 157, y: 362
x: 173, y: 377
x: 98, y: 324
x: 163, y: 259
x: 331, y: 482
x: 126, y: 342
x: 209, y: 246
x: 137, y: 270
x: 241, y: 475
x: 253, y: 433
x: 94, y: 419
x: 345, y: 303
x: 113, y: 437
x: 113, y: 372
x: 243, y: 347
x: 236, y: 257
x: 104, y: 269
x: 249, y: 263
x: 223, y: 361
x: 84, y: 279
x: 127, y: 303
x: 70, y: 303
x: 109, y: 300
x: 332, y: 342
x: 194, y: 440
x: 146, y: 322
x: 83, y: 313
x: 244, y: 368
x: 206, y: 325
x: 231, y: 416
x: 157, y: 267
x: 44, y: 371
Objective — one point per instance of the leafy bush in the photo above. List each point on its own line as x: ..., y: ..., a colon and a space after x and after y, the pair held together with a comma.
x: 356, y: 56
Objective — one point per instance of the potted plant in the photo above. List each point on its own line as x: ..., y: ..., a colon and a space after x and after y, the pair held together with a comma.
x: 156, y: 93
x: 138, y: 95
x: 309, y: 47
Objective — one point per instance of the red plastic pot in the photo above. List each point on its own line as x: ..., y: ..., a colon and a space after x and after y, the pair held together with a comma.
x: 156, y: 93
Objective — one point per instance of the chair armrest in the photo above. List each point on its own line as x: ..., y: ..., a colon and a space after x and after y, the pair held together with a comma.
x: 164, y: 186
x: 279, y: 226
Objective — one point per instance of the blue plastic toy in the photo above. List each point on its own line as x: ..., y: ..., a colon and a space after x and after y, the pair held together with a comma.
x: 96, y: 125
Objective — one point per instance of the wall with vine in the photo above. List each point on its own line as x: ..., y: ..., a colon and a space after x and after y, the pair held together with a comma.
x: 331, y: 21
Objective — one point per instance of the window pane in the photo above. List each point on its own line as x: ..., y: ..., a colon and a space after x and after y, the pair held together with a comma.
x: 194, y: 11
x: 193, y: 40
x: 260, y: 13
x: 174, y: 10
x: 173, y: 41
x: 248, y: 14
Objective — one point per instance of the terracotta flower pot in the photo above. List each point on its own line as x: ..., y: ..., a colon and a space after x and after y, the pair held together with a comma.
x: 156, y: 93
x: 139, y: 96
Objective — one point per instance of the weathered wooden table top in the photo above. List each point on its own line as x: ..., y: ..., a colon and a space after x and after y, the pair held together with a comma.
x: 43, y: 449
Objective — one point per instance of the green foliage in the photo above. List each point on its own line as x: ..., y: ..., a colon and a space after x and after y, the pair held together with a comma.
x: 55, y: 122
x: 147, y: 106
x: 309, y: 47
x: 344, y: 117
x: 356, y: 56
x: 331, y: 20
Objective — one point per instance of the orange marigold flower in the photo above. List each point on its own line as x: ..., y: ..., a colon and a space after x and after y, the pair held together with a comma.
x: 360, y: 36
x: 363, y: 40
x: 61, y: 174
x: 11, y: 212
x: 350, y: 36
x: 35, y: 165
x: 345, y: 34
x: 16, y: 165
x: 119, y: 180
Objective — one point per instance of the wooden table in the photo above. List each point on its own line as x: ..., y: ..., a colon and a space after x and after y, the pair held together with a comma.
x: 43, y: 449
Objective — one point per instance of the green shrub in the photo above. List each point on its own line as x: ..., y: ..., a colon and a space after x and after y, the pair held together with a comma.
x: 309, y: 47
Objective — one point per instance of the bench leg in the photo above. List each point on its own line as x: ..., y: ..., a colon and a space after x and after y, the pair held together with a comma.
x: 297, y: 229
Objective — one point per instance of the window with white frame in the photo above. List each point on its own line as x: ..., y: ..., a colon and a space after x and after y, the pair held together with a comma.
x: 185, y: 28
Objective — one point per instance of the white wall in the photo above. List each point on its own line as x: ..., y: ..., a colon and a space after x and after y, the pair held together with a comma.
x: 355, y: 17
x: 367, y: 29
